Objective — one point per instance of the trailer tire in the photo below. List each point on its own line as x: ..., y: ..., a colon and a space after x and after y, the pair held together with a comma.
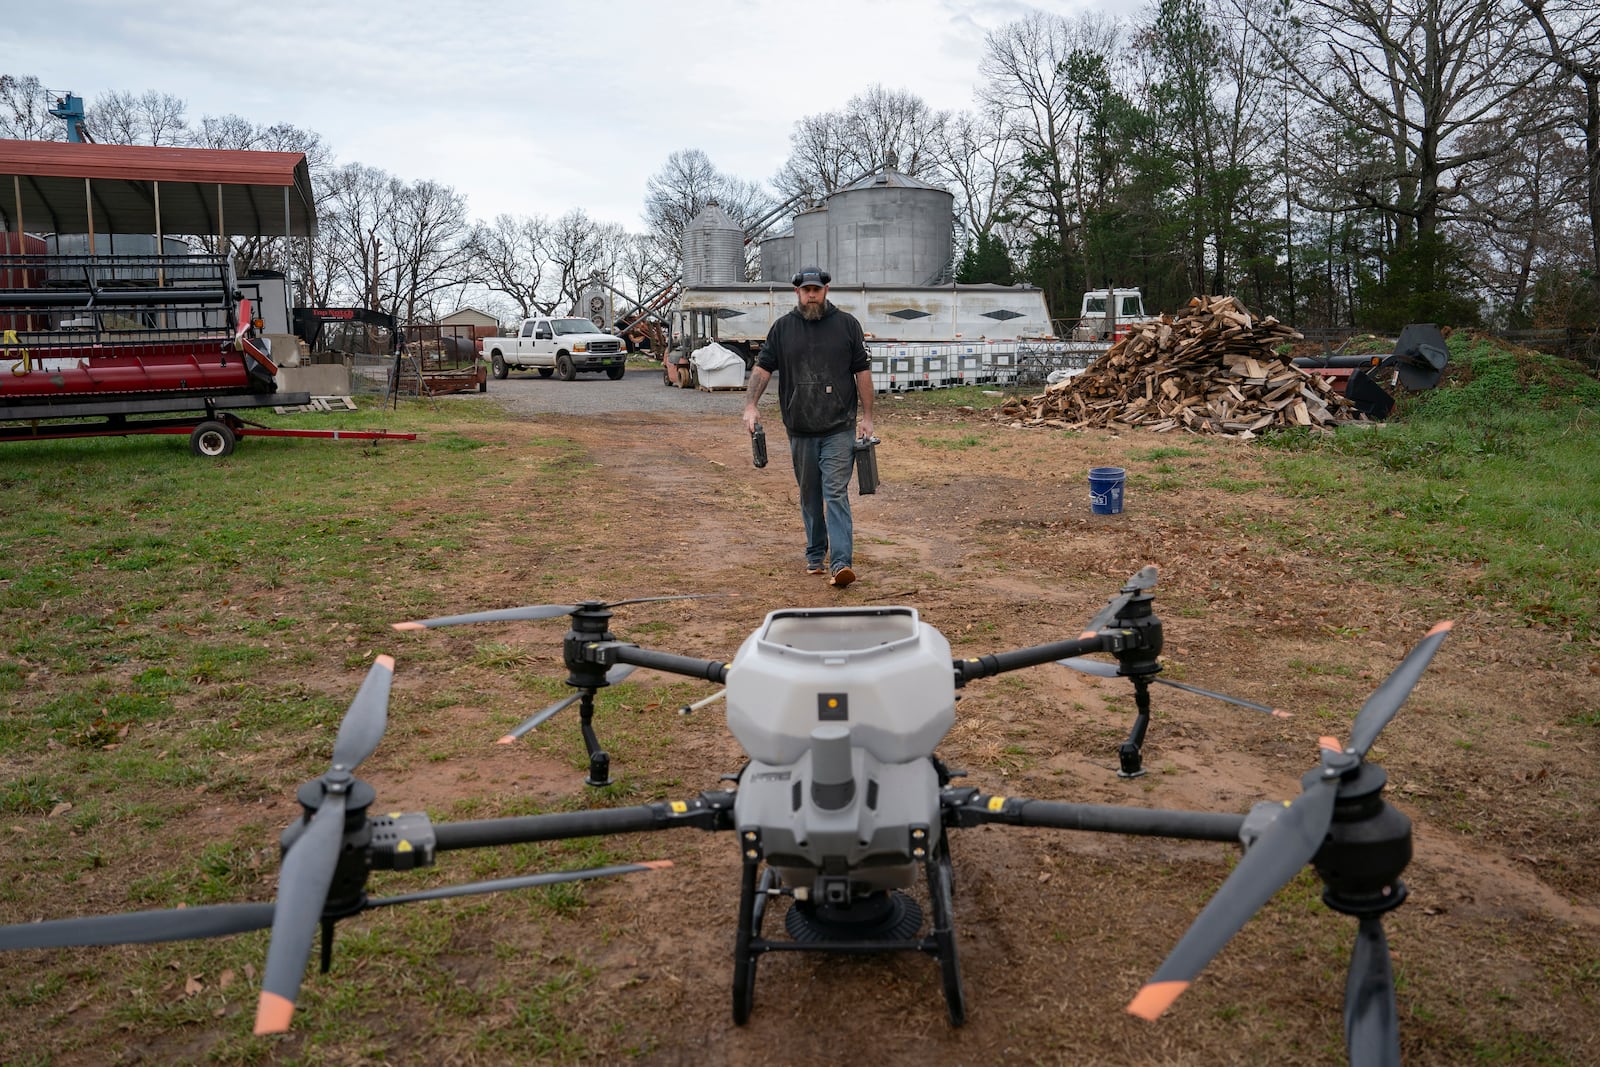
x: 499, y: 363
x: 545, y: 372
x: 213, y: 440
x: 565, y: 367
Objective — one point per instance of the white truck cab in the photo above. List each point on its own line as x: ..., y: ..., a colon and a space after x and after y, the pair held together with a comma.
x: 556, y: 345
x: 1107, y: 312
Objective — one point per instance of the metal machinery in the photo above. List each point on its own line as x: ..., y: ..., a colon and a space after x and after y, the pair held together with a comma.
x: 99, y: 346
x: 1370, y: 381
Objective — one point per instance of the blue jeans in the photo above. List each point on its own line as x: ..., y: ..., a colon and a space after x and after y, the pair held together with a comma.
x: 822, y: 467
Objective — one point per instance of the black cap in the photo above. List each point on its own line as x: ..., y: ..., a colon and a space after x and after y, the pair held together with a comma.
x: 812, y: 276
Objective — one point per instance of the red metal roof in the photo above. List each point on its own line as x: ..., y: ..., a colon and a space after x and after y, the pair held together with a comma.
x: 58, y: 182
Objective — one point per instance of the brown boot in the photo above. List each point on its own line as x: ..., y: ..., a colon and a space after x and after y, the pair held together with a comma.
x: 842, y: 577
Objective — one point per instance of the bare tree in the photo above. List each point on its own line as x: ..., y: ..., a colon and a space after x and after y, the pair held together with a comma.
x: 681, y: 189
x: 150, y: 118
x: 980, y: 158
x: 1036, y: 71
x: 833, y: 149
x: 1417, y: 76
x: 1521, y: 213
x: 350, y: 254
x: 509, y: 257
x: 580, y: 249
x: 25, y: 110
x: 1572, y: 37
x: 428, y: 252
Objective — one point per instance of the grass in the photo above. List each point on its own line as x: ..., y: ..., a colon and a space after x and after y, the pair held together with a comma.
x: 1484, y: 484
x: 175, y: 631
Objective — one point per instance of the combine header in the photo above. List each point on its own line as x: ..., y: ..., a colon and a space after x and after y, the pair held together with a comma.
x: 94, y: 346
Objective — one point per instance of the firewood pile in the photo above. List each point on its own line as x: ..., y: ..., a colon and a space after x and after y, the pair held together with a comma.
x: 1208, y: 369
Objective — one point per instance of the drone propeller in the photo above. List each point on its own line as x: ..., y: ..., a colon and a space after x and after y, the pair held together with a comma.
x: 1109, y: 670
x: 308, y: 864
x: 613, y: 676
x: 1139, y: 583
x: 1286, y: 845
x: 140, y: 927
x: 542, y: 611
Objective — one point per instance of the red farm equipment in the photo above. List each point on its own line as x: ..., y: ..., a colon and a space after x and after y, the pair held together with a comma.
x: 97, y: 345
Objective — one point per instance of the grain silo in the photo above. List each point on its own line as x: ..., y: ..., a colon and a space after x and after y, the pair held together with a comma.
x: 713, y: 249
x: 777, y: 259
x: 889, y: 229
x: 811, y: 241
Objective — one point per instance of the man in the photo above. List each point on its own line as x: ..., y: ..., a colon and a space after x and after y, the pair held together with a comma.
x: 820, y: 357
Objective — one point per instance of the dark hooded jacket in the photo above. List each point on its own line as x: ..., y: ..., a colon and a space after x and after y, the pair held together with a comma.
x: 816, y: 364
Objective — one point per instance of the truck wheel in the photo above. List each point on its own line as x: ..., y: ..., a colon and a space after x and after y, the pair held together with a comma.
x: 545, y: 372
x: 212, y: 439
x: 565, y: 368
x: 614, y: 373
x: 499, y: 363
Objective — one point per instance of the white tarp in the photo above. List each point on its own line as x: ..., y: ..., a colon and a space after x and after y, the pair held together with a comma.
x: 717, y: 367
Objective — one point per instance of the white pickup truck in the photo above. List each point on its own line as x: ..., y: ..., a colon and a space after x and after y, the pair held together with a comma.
x: 561, y: 346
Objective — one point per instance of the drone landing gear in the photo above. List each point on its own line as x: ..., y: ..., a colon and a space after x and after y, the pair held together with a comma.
x: 1130, y: 754
x: 599, y: 761
x: 884, y: 921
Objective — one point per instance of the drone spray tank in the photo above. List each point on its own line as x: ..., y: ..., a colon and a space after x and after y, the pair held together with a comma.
x: 839, y: 710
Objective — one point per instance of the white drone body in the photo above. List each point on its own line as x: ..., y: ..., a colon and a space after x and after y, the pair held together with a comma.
x: 839, y: 710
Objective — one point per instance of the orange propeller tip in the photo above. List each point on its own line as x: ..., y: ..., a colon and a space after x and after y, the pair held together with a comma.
x: 273, y: 1013
x: 404, y: 626
x: 1086, y: 635
x: 1443, y: 627
x: 507, y: 740
x: 1279, y: 713
x: 1155, y: 998
x: 385, y: 661
x: 656, y: 865
x: 1330, y: 743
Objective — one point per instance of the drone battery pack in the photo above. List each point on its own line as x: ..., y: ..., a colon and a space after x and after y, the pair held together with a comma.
x: 867, y: 465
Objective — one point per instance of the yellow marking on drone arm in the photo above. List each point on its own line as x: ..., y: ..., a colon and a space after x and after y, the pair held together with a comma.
x: 678, y: 807
x: 403, y: 846
x: 997, y: 803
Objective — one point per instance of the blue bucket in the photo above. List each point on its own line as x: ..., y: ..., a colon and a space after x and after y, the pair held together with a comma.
x: 1105, y: 490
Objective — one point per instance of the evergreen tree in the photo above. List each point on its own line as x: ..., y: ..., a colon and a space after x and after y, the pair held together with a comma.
x: 987, y: 261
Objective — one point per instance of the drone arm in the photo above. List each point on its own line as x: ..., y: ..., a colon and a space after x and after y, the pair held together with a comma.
x: 608, y: 653
x: 708, y: 811
x: 967, y: 807
x: 1000, y: 662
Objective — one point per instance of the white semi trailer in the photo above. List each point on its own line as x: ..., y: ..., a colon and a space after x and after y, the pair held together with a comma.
x: 738, y: 316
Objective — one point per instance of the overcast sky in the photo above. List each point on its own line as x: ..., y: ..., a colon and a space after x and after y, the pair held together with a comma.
x: 527, y: 108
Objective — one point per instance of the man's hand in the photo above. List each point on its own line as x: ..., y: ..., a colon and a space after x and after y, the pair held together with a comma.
x: 750, y: 418
x: 866, y: 428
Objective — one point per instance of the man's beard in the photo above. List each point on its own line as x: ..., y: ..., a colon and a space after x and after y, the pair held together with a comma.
x: 812, y: 312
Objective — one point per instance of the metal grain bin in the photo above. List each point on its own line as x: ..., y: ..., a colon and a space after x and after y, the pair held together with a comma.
x: 777, y: 259
x: 890, y: 229
x: 811, y: 242
x: 713, y: 249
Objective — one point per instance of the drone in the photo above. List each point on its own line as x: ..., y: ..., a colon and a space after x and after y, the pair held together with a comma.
x: 591, y: 624
x: 840, y: 809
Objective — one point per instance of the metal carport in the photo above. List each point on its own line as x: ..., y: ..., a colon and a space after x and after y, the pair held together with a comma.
x: 63, y: 188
